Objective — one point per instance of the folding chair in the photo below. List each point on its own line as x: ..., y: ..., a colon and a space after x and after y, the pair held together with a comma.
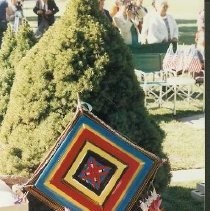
x: 175, y: 81
x: 152, y: 84
x: 177, y: 84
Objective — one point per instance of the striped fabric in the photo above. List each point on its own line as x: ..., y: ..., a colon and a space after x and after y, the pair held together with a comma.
x: 167, y: 61
x: 194, y: 64
x: 177, y: 61
x: 185, y: 59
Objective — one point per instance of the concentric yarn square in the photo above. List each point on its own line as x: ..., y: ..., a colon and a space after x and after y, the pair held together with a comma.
x: 92, y: 167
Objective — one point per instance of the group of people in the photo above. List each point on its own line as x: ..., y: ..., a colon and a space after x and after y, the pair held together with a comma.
x: 12, y: 11
x: 137, y: 24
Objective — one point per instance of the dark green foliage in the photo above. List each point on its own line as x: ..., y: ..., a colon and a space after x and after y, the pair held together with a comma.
x: 3, y: 28
x: 82, y: 53
x: 14, y: 47
x: 179, y: 198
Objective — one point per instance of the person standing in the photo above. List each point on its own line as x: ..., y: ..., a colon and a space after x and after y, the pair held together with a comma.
x: 200, y: 34
x: 3, y: 17
x: 114, y: 9
x: 139, y: 11
x: 15, y: 13
x: 46, y: 10
x: 200, y: 44
x: 123, y: 21
x: 162, y: 27
x: 201, y: 20
x: 146, y: 22
x: 104, y: 11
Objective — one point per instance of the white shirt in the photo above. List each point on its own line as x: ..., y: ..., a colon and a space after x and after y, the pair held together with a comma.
x: 145, y: 26
x: 124, y: 26
x: 43, y: 5
x: 157, y: 30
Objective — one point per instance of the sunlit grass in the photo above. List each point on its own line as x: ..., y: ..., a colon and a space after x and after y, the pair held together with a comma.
x: 183, y: 143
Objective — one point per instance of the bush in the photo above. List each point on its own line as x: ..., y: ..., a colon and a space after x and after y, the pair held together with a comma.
x: 7, y: 46
x: 82, y: 53
x: 14, y: 47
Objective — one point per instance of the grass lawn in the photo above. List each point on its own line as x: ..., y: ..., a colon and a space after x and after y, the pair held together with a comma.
x: 184, y: 144
x: 180, y: 143
x: 178, y: 197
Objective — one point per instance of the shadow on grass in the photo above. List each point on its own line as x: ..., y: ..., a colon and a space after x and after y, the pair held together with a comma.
x: 167, y: 115
x: 179, y: 198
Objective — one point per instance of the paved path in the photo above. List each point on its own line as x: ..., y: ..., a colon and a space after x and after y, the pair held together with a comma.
x: 188, y: 175
x: 195, y: 120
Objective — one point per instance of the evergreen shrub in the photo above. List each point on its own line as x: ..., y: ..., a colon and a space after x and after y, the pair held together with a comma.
x: 14, y: 47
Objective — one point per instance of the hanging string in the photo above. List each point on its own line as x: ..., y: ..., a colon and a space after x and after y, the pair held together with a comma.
x: 18, y: 191
x: 151, y: 185
x: 153, y: 200
x: 81, y: 105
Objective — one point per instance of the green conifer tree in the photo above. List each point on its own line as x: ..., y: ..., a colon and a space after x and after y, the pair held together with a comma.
x: 7, y: 46
x: 14, y: 47
x: 82, y: 53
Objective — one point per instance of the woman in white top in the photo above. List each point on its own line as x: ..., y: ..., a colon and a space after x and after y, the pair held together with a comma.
x: 124, y: 22
x: 138, y: 13
x: 145, y: 25
x: 161, y: 26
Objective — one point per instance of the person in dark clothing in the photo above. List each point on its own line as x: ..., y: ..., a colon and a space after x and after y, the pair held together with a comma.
x: 45, y: 9
x: 3, y: 17
x: 104, y: 11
